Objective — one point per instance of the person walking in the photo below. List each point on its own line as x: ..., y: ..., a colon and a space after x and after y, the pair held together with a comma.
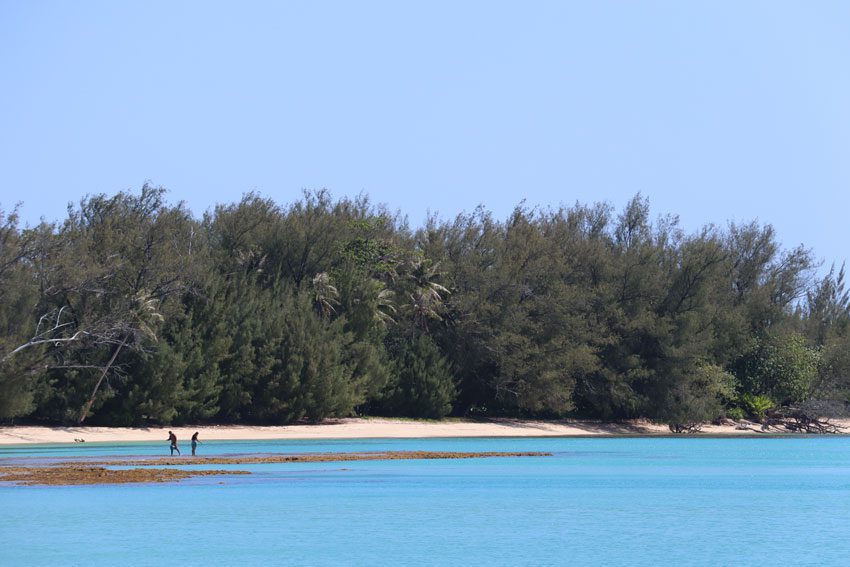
x: 194, y: 443
x: 173, y: 439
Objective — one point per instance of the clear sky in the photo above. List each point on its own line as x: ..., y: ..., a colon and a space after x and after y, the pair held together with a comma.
x: 715, y: 110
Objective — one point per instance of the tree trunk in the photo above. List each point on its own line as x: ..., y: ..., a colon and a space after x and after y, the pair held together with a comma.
x: 89, y: 403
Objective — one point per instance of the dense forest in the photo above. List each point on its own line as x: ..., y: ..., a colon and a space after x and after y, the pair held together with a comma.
x: 132, y: 311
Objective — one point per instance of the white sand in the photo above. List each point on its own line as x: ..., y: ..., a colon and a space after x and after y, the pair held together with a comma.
x: 361, y: 428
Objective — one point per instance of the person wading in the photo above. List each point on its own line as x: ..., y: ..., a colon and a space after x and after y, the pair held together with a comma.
x: 173, y: 439
x: 194, y: 443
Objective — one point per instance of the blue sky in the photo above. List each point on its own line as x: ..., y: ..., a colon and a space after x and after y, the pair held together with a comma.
x: 716, y: 111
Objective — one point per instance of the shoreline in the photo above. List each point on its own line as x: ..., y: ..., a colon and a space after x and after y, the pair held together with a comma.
x: 376, y: 428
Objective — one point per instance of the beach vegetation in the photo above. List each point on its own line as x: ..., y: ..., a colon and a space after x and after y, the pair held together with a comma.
x: 423, y: 384
x: 736, y: 413
x: 133, y: 311
x: 756, y: 406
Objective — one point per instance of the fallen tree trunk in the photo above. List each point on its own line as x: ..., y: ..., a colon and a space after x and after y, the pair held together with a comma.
x: 800, y: 421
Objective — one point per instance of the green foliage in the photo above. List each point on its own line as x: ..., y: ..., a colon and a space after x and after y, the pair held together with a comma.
x: 756, y: 406
x: 151, y: 395
x: 278, y: 360
x: 304, y: 374
x: 270, y: 313
x: 718, y: 381
x: 833, y: 379
x: 782, y: 367
x: 424, y: 386
x: 18, y: 293
x: 367, y: 250
x: 17, y: 387
x: 698, y: 397
x: 736, y: 413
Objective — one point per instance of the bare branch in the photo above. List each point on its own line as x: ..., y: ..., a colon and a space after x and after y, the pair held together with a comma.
x: 76, y: 336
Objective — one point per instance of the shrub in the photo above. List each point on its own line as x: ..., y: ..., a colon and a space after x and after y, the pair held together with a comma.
x: 736, y: 413
x: 756, y: 406
x: 782, y: 367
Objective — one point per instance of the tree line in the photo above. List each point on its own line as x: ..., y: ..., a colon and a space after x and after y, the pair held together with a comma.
x: 131, y: 311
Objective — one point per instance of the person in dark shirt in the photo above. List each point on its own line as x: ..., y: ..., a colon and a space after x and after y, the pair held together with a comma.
x: 173, y: 439
x: 194, y: 442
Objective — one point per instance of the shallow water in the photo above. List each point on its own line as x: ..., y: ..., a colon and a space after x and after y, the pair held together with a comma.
x: 627, y: 501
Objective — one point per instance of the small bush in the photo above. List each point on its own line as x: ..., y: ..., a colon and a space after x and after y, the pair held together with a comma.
x: 736, y: 413
x: 756, y: 406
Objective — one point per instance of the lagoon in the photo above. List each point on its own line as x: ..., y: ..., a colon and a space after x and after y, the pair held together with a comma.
x: 635, y: 501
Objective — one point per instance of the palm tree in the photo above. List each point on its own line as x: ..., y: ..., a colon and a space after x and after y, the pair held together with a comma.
x: 426, y: 299
x: 378, y: 301
x: 384, y: 305
x: 325, y: 295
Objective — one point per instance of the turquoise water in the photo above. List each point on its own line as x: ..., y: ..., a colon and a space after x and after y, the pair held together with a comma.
x: 642, y: 501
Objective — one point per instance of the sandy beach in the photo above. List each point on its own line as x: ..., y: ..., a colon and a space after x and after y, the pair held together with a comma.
x: 367, y: 428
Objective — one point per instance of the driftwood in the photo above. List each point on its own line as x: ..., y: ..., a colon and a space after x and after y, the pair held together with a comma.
x: 799, y: 420
x: 685, y: 427
x: 809, y: 417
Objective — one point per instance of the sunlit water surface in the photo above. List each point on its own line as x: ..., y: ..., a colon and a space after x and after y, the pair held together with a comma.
x: 625, y: 501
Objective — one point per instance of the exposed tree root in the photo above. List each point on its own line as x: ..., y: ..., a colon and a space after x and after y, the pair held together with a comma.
x: 799, y: 421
